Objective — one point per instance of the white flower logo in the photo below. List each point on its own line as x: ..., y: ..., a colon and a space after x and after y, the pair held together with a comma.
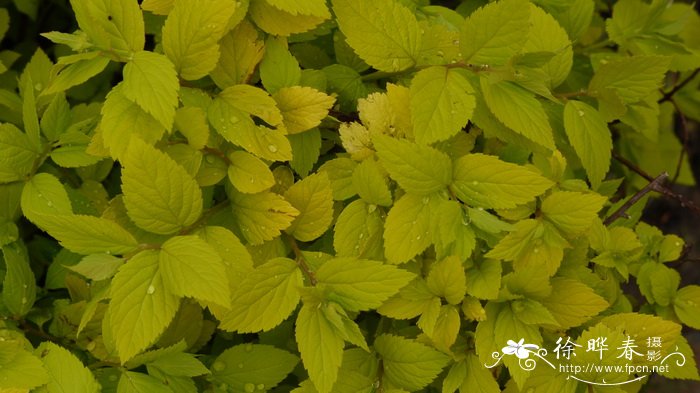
x: 519, y: 349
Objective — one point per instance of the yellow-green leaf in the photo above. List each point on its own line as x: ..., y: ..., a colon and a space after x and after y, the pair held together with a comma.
x: 418, y: 169
x: 141, y: 307
x: 495, y: 32
x: 191, y: 35
x: 313, y: 198
x: 440, y: 104
x: 248, y: 173
x: 485, y: 181
x: 262, y: 216
x: 302, y: 108
x: 384, y: 33
x: 160, y: 196
x: 151, y: 82
x: 265, y: 297
x: 589, y: 135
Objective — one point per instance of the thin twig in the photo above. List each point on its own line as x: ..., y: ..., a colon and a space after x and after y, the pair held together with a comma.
x: 654, y: 185
x: 630, y: 165
x: 683, y: 201
x: 674, y: 90
x: 301, y: 261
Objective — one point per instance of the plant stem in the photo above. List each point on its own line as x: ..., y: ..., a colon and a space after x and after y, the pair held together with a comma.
x: 674, y: 90
x: 630, y: 165
x: 684, y: 202
x: 301, y: 261
x: 571, y: 94
x: 654, y: 185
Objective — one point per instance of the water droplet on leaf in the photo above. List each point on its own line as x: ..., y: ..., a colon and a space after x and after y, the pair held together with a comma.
x: 151, y: 289
x: 219, y: 366
x: 249, y: 387
x: 272, y: 148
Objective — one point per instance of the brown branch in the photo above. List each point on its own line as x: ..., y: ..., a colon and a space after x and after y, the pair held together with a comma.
x: 654, y: 185
x: 683, y: 201
x: 676, y: 88
x: 29, y: 329
x: 630, y: 165
x: 301, y: 261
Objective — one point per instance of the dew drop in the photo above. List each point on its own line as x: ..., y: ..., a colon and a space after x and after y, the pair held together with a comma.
x: 49, y: 203
x: 476, y: 183
x: 219, y: 366
x: 272, y: 148
x: 361, y: 235
x: 677, y: 244
x: 418, y: 237
x: 24, y: 286
x: 151, y: 289
x: 455, y: 42
x: 240, y: 365
x: 440, y: 53
x: 210, y: 159
x: 426, y: 200
x: 371, y: 208
x: 252, y: 180
x: 38, y: 87
x: 261, y: 387
x: 581, y: 114
x: 91, y: 346
x: 24, y: 300
x: 249, y: 388
x: 234, y: 119
x: 536, y: 250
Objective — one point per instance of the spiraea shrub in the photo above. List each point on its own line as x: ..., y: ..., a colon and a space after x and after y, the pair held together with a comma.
x: 343, y: 196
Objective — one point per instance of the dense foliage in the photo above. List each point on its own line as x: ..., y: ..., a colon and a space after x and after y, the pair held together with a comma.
x: 340, y: 196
